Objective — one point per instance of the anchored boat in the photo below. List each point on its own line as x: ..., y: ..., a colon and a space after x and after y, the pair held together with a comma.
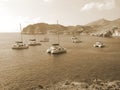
x: 33, y: 42
x: 56, y: 48
x: 20, y: 44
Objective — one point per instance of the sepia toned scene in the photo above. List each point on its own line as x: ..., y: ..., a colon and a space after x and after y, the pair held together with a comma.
x: 59, y: 44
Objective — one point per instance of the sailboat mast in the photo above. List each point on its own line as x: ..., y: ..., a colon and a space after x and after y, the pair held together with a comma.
x: 58, y: 33
x: 21, y: 32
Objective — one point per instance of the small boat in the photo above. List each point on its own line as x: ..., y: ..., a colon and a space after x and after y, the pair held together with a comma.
x: 20, y: 45
x: 75, y: 40
x: 45, y: 40
x: 56, y: 49
x: 33, y: 42
x: 73, y: 37
x: 98, y: 44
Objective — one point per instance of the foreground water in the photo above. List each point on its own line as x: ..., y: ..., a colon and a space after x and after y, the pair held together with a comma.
x: 23, y: 69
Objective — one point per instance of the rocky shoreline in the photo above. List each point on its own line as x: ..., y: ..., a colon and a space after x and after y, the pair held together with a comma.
x: 96, y: 84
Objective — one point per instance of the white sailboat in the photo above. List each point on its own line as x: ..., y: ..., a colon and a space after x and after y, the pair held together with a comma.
x: 75, y: 39
x: 33, y: 42
x: 20, y: 44
x: 56, y: 48
x: 45, y: 39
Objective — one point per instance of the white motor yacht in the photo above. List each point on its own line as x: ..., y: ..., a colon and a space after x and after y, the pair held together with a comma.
x: 19, y: 45
x: 33, y: 42
x: 56, y: 49
x: 75, y: 39
x: 98, y: 44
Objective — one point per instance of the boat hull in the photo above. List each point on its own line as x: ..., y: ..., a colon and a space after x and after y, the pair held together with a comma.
x: 56, y: 50
x: 34, y: 44
x: 20, y: 47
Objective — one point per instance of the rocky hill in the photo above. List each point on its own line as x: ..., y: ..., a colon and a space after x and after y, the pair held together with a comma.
x: 101, y: 26
x: 106, y: 28
x: 41, y: 28
x: 100, y: 22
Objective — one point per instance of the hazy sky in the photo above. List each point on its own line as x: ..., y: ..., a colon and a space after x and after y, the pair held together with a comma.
x: 68, y: 12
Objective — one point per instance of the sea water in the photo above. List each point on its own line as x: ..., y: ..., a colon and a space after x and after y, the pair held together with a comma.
x: 23, y: 69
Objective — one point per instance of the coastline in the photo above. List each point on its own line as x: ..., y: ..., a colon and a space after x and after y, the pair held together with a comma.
x: 96, y: 84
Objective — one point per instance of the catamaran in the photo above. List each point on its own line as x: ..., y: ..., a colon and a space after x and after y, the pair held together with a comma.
x: 56, y: 48
x: 34, y: 42
x: 75, y: 39
x: 45, y: 39
x: 19, y: 44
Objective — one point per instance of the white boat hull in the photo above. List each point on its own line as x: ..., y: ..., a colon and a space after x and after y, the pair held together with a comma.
x: 20, y: 47
x: 34, y: 44
x: 56, y: 50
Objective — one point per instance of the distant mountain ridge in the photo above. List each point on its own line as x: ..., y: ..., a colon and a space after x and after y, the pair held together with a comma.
x: 99, y: 22
x: 96, y: 26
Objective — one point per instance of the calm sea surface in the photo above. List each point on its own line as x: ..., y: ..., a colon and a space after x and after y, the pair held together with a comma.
x: 23, y: 69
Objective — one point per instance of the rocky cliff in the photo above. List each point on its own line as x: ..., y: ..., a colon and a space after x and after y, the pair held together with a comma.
x: 101, y: 26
